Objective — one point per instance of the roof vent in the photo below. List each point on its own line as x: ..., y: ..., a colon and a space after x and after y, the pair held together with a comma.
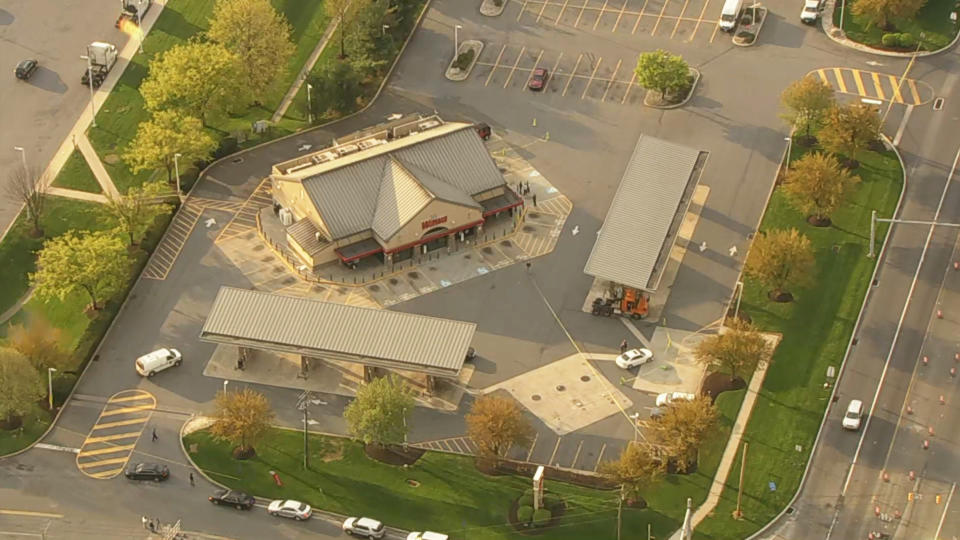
x: 324, y: 157
x: 299, y: 167
x: 347, y: 149
x: 428, y: 125
x: 370, y: 143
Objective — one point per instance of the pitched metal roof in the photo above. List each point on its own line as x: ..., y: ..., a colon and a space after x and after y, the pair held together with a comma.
x: 453, y: 166
x: 638, y: 231
x: 311, y: 327
x: 401, y: 198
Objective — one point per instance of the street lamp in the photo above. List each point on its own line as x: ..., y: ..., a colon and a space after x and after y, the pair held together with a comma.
x: 140, y: 29
x: 225, y: 382
x: 23, y: 156
x: 456, y: 40
x: 309, y: 104
x: 176, y: 171
x: 93, y: 113
x: 50, y: 371
x: 789, y: 147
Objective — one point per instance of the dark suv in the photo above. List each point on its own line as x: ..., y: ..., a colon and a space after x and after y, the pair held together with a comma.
x: 26, y: 68
x: 148, y: 471
x: 237, y: 499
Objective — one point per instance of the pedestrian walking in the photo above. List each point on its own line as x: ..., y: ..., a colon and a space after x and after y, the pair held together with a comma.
x: 154, y: 436
x: 535, y: 200
x: 528, y: 267
x: 191, y: 480
x: 623, y: 346
x: 144, y: 521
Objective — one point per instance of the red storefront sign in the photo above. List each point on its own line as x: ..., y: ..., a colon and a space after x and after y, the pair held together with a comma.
x: 433, y: 222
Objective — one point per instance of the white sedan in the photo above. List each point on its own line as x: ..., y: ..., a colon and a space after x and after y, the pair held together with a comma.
x: 667, y: 398
x: 290, y: 509
x: 634, y: 357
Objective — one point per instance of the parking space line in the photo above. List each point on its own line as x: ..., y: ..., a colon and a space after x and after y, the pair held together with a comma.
x: 629, y: 87
x: 699, y: 21
x: 876, y: 83
x: 595, y: 68
x: 535, y: 66
x: 522, y: 9
x: 680, y: 18
x: 495, y: 64
x: 600, y: 15
x: 600, y: 457
x: 572, y: 74
x: 659, y: 18
x: 533, y: 444
x: 914, y: 91
x: 542, y: 7
x: 840, y: 82
x: 554, y: 454
x: 553, y: 73
x: 622, y: 10
x: 583, y: 7
x: 576, y: 456
x: 716, y: 28
x: 612, y: 78
x: 859, y: 82
x: 560, y: 16
x: 514, y: 68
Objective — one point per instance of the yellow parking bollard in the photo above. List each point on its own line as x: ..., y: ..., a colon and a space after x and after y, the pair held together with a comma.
x: 534, y: 122
x: 547, y: 136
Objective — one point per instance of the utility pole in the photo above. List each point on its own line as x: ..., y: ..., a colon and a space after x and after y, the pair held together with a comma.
x: 738, y: 513
x: 303, y: 404
x: 873, y: 226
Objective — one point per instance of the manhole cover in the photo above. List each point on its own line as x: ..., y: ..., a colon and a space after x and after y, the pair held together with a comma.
x: 535, y: 397
x: 374, y: 288
x: 413, y: 275
x: 506, y: 243
x: 584, y: 378
x: 488, y: 250
x: 268, y: 258
x: 561, y: 388
x: 394, y: 281
x: 527, y: 228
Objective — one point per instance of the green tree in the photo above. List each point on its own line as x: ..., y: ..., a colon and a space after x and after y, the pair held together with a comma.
x: 495, y: 424
x: 21, y: 386
x: 682, y: 429
x: 666, y: 73
x: 636, y: 468
x: 882, y: 12
x: 818, y: 185
x: 340, y: 11
x: 137, y: 210
x: 166, y: 134
x: 380, y: 411
x: 336, y: 89
x: 95, y: 263
x: 739, y: 349
x: 39, y: 342
x: 805, y: 102
x: 198, y: 77
x: 781, y: 259
x: 848, y: 129
x: 241, y: 418
x: 258, y: 36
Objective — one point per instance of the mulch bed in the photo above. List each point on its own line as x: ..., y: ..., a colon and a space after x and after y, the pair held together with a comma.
x: 556, y: 511
x: 11, y: 423
x: 717, y: 382
x: 393, y: 455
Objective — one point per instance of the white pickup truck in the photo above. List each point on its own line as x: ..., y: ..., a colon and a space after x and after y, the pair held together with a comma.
x: 811, y: 11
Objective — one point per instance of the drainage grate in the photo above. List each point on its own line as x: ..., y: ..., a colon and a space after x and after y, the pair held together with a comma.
x: 938, y: 104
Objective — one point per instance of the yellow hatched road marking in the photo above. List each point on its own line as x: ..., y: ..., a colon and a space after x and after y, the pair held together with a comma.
x: 913, y: 90
x: 840, y: 82
x: 823, y: 76
x: 876, y: 82
x: 896, y: 89
x: 141, y: 395
x: 98, y: 463
x: 107, y: 438
x: 109, y: 450
x: 124, y: 410
x: 856, y: 78
x: 108, y: 425
x: 106, y: 474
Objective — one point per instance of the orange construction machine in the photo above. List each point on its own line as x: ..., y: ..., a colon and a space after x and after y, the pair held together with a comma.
x: 627, y: 301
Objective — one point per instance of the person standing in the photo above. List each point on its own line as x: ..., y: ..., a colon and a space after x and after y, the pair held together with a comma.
x: 623, y: 346
x: 191, y: 480
x: 144, y: 521
x: 154, y: 436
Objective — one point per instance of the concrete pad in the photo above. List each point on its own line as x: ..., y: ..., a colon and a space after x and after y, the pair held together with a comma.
x: 673, y: 368
x: 492, y: 257
x: 559, y: 396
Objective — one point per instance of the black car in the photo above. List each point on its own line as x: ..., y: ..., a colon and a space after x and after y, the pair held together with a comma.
x: 26, y: 68
x: 148, y: 471
x: 238, y: 499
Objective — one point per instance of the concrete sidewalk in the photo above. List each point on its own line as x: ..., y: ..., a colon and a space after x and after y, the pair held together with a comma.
x: 93, y: 161
x: 76, y: 194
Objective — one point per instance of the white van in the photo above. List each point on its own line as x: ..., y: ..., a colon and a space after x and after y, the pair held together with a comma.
x: 730, y: 14
x: 158, y: 360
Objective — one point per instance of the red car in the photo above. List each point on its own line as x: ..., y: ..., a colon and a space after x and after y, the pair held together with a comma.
x: 538, y: 80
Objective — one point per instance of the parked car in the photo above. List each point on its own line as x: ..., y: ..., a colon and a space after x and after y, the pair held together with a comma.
x: 811, y: 11
x: 667, y: 398
x: 427, y: 535
x: 237, y: 499
x: 290, y: 509
x: 634, y: 357
x: 483, y: 130
x: 147, y: 471
x: 366, y: 527
x: 538, y: 80
x: 851, y: 419
x: 159, y: 360
x: 26, y: 68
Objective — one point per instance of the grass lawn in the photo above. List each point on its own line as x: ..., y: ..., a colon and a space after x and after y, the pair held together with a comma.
x: 933, y: 20
x: 34, y: 424
x: 180, y: 20
x: 816, y: 328
x: 76, y: 174
x: 453, y: 497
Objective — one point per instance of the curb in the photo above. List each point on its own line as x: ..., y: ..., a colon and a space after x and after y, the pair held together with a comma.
x: 467, y: 45
x: 840, y: 372
x: 693, y: 88
x: 486, y: 10
x: 856, y: 45
x: 756, y: 35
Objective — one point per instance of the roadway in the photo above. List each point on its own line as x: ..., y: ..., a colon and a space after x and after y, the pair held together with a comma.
x: 881, y: 479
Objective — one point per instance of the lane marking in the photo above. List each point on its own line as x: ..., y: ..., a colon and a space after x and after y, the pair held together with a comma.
x: 612, y: 77
x: 943, y: 516
x: 515, y: 64
x: 876, y: 83
x: 28, y: 513
x: 617, y: 22
x: 583, y: 7
x: 840, y: 82
x: 629, y: 87
x: 680, y: 18
x: 595, y: 68
x: 56, y: 448
x: 859, y: 82
x: 600, y: 15
x: 662, y: 10
x: 572, y: 74
x: 699, y: 21
x: 495, y: 65
x: 576, y: 456
x: 557, y: 22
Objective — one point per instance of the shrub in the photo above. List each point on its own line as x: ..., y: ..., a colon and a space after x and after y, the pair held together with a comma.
x: 464, y: 59
x: 541, y: 517
x: 746, y: 19
x: 227, y: 146
x: 62, y: 384
x: 746, y: 37
x: 525, y: 514
x: 526, y: 499
x: 890, y: 40
x: 907, y: 40
x: 551, y: 501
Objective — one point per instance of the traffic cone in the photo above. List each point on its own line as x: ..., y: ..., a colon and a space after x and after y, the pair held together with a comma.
x: 953, y: 372
x: 876, y: 510
x: 909, y: 409
x: 942, y: 400
x: 939, y: 314
x: 957, y: 357
x: 956, y: 265
x: 926, y: 444
x: 896, y: 514
x: 926, y: 360
x: 930, y: 431
x: 912, y: 475
x: 886, y: 476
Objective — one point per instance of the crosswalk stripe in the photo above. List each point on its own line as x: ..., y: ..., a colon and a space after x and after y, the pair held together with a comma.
x: 124, y: 410
x: 913, y: 90
x: 896, y: 90
x: 840, y: 82
x: 859, y: 82
x: 879, y: 87
x: 109, y: 450
x: 107, y: 438
x: 119, y: 423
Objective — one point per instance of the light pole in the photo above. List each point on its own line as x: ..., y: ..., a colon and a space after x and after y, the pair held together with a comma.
x: 176, y: 172
x: 736, y: 310
x: 93, y: 113
x: 23, y: 156
x: 789, y: 147
x: 383, y: 29
x: 456, y: 40
x: 225, y: 383
x: 140, y: 29
x: 50, y: 371
x: 309, y: 104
